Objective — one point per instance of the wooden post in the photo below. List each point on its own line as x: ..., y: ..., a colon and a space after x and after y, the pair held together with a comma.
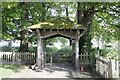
x: 58, y: 57
x: 44, y: 52
x: 110, y: 69
x: 118, y: 69
x: 77, y: 50
x: 1, y: 56
x: 73, y: 46
x: 39, y: 50
x: 13, y: 57
x: 51, y: 58
x: 45, y: 60
x: 77, y: 54
x: 44, y: 45
x: 73, y: 51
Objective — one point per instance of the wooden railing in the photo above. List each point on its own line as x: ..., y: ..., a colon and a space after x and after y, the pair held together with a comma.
x: 108, y: 68
x: 84, y: 58
x: 17, y: 58
x: 58, y: 57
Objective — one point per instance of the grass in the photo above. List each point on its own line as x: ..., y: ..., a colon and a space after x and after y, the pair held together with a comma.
x: 7, y: 70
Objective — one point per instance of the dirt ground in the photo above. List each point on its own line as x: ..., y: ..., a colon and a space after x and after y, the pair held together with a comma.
x: 54, y: 71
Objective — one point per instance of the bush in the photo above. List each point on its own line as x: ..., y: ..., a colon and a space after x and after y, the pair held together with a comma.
x: 93, y: 52
x: 51, y: 49
x: 113, y: 54
x: 6, y: 48
x: 109, y: 53
x: 32, y: 49
x: 67, y: 49
x: 66, y: 56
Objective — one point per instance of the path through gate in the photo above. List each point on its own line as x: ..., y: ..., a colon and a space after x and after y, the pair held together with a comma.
x: 57, y: 57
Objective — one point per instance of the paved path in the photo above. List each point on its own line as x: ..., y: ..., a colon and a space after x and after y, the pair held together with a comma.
x: 56, y: 71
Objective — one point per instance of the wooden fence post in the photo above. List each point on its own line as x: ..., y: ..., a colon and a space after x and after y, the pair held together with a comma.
x: 13, y: 57
x: 110, y: 69
x: 118, y: 66
x: 1, y: 55
x: 51, y: 58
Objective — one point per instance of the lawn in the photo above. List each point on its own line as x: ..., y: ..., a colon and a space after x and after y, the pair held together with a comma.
x: 7, y: 70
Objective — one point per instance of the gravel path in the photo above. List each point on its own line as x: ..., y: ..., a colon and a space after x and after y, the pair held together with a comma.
x: 56, y: 71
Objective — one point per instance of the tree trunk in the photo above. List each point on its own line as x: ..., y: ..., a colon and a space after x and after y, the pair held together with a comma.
x: 67, y: 14
x: 84, y: 18
x: 24, y: 41
x: 43, y: 12
x: 24, y: 33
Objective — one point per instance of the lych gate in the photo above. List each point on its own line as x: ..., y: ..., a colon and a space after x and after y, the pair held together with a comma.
x: 72, y: 34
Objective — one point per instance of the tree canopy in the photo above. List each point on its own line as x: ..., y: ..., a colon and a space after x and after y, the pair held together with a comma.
x: 103, y: 18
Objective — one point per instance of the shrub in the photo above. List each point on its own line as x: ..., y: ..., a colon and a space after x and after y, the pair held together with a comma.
x: 6, y: 48
x: 51, y: 49
x: 106, y: 52
x: 67, y: 49
x: 32, y: 49
x: 113, y: 54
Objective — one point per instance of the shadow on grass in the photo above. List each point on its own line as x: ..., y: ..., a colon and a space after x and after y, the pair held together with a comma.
x: 13, y: 67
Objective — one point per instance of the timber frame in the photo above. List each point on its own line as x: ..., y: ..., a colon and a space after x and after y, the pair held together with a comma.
x: 72, y: 34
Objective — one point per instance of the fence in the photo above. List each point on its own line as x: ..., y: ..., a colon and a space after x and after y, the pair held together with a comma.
x: 84, y: 58
x: 17, y: 58
x: 119, y: 70
x: 108, y: 68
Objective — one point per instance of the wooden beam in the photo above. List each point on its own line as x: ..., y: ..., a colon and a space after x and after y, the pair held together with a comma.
x: 81, y: 34
x: 45, y: 33
x: 68, y: 34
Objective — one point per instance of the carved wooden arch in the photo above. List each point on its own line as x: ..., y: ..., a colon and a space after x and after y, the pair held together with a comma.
x: 74, y: 34
x: 67, y: 33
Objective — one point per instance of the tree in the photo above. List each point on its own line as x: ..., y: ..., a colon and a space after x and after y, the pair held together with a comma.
x: 18, y: 16
x: 88, y: 13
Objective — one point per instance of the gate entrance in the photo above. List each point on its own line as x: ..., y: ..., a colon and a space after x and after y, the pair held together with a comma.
x: 58, y: 57
x: 72, y: 34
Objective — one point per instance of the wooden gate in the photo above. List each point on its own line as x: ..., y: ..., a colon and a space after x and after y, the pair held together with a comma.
x: 57, y: 57
x: 84, y: 57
